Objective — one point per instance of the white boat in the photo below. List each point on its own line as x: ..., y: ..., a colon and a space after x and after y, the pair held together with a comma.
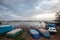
x: 51, y: 28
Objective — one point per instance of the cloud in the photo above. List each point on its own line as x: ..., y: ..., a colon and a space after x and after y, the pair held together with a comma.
x: 25, y: 9
x: 47, y: 5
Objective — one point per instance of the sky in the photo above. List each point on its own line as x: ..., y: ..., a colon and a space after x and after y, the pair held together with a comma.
x: 27, y: 9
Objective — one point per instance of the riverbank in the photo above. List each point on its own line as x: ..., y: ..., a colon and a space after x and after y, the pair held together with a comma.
x: 26, y: 36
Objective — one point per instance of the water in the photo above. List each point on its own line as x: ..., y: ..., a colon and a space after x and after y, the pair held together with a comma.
x: 25, y: 23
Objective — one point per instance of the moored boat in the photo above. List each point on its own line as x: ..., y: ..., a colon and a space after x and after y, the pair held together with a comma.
x: 45, y: 33
x: 5, y: 28
x: 34, y: 33
x: 51, y: 28
x: 14, y: 33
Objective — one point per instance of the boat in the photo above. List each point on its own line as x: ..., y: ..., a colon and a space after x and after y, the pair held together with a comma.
x: 51, y: 27
x: 34, y: 33
x: 5, y: 28
x: 45, y: 33
x: 14, y: 33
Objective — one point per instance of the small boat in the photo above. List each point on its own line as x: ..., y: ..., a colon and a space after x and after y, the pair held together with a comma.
x: 45, y: 33
x: 14, y: 33
x: 5, y: 28
x: 34, y: 33
x: 52, y: 27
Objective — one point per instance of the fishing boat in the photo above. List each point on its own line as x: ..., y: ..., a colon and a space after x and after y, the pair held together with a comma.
x: 14, y: 33
x: 34, y: 33
x: 45, y: 33
x: 5, y: 28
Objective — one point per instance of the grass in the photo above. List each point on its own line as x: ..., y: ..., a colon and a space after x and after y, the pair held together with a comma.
x: 16, y: 38
x: 19, y: 39
x: 59, y: 32
x: 0, y: 38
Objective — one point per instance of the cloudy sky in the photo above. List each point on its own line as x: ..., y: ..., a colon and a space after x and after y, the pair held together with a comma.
x: 27, y: 9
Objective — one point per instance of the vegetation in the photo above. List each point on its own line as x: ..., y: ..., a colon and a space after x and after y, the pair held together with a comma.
x: 18, y: 38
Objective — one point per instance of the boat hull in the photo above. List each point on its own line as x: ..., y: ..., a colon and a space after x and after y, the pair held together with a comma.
x: 5, y: 28
x: 45, y: 33
x: 34, y: 33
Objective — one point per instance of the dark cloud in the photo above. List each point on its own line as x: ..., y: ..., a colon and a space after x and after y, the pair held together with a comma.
x: 15, y: 9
